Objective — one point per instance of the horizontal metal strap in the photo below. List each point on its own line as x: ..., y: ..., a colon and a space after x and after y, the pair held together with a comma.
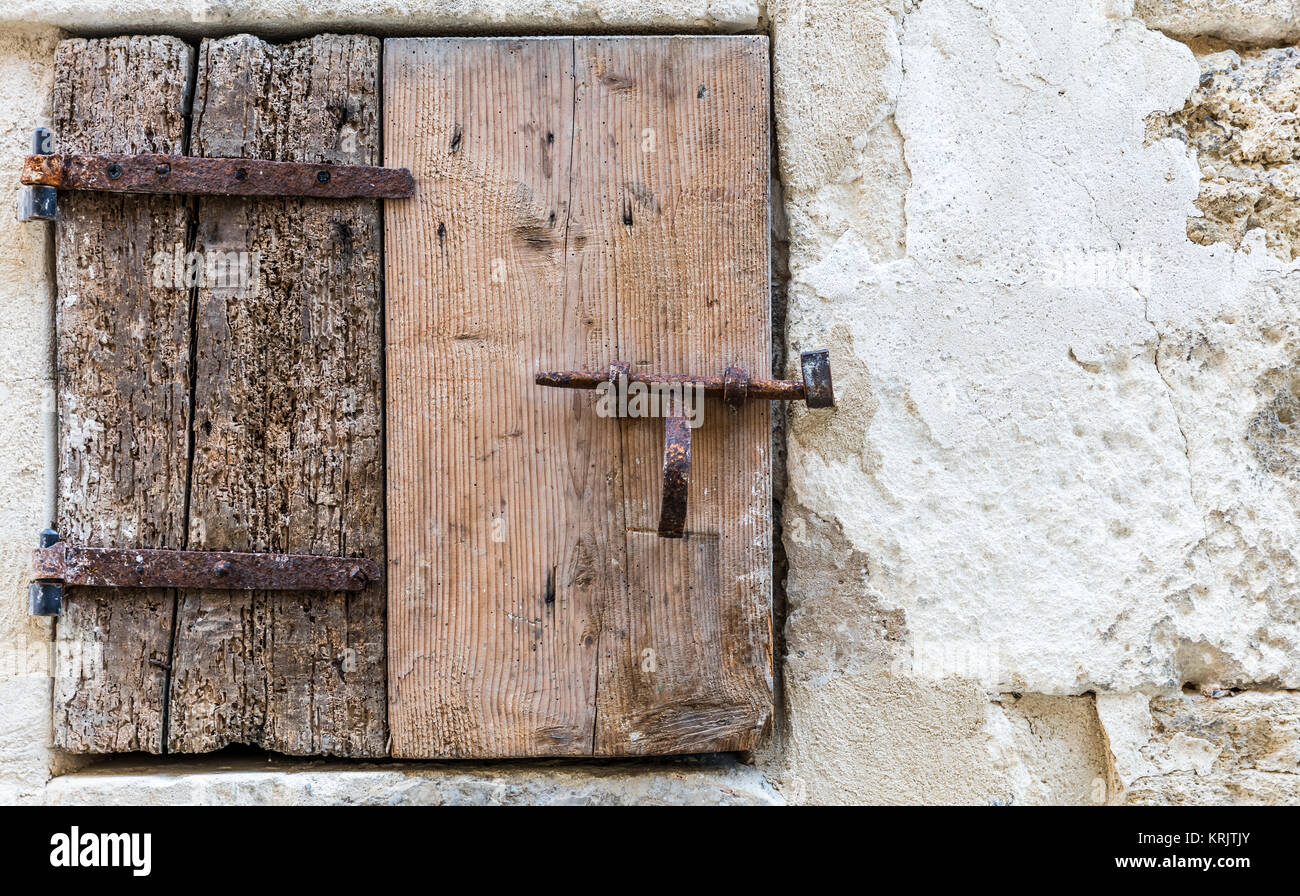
x: 158, y: 173
x: 125, y: 568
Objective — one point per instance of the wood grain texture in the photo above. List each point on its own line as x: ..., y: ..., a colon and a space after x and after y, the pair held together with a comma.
x: 288, y: 426
x: 532, y: 611
x: 502, y: 548
x: 123, y: 386
x: 672, y: 153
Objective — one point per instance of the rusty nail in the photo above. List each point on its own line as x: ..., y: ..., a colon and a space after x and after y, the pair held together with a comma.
x: 162, y: 170
x: 357, y: 574
x: 160, y: 664
x: 222, y: 568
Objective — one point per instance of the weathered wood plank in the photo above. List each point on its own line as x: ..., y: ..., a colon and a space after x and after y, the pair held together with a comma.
x: 644, y: 239
x: 671, y: 183
x: 503, y: 502
x: 288, y: 424
x: 123, y: 385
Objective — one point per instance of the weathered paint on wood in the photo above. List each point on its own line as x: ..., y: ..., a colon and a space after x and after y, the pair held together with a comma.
x: 288, y: 424
x: 123, y: 386
x: 579, y: 201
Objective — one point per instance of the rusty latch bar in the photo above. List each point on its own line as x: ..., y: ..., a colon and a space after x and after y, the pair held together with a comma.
x: 45, y: 172
x: 735, y: 387
x: 56, y: 563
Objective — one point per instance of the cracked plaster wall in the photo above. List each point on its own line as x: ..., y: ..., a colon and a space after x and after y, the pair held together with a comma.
x: 1063, y: 462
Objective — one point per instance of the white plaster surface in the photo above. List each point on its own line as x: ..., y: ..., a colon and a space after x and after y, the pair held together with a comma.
x: 283, y: 783
x: 1041, y: 508
x: 1041, y: 476
x: 1028, y: 479
x: 26, y: 79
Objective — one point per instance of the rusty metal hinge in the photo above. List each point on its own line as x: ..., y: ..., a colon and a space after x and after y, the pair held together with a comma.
x: 735, y: 387
x: 45, y: 173
x: 56, y: 564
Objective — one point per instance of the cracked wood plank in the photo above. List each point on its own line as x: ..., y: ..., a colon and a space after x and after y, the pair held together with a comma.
x: 579, y: 201
x: 123, y: 386
x: 288, y: 425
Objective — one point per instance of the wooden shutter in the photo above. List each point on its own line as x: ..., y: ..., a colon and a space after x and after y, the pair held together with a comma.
x: 580, y: 201
x: 218, y: 418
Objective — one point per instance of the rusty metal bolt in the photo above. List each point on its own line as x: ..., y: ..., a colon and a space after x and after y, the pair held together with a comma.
x: 163, y: 169
x: 322, y: 177
x: 735, y: 386
x: 241, y: 174
x: 114, y: 171
x: 222, y: 568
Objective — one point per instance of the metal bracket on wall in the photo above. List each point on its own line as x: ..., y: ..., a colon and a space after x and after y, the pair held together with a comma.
x: 734, y: 386
x: 56, y: 564
x: 45, y: 173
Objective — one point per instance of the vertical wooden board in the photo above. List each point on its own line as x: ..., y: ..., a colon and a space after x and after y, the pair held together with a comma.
x: 671, y: 182
x: 494, y: 483
x: 685, y: 686
x: 504, y: 502
x: 123, y: 385
x: 288, y: 424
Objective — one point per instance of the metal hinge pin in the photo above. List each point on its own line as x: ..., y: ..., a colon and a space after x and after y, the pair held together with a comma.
x: 45, y: 598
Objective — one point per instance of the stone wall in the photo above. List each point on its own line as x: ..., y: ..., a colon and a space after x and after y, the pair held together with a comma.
x: 1046, y: 548
x: 1063, y: 465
